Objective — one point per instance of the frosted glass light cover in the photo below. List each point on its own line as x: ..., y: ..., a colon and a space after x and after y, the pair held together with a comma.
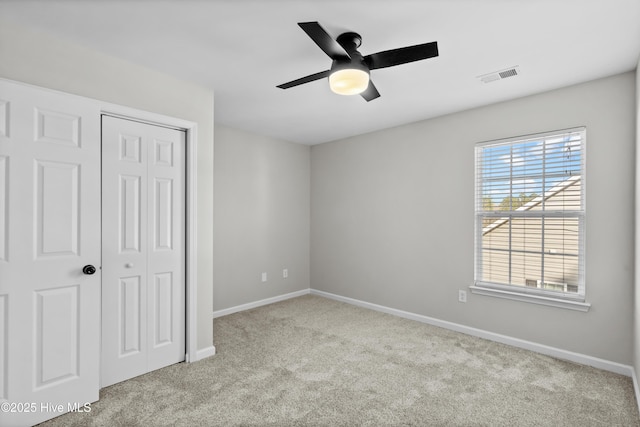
x: 349, y: 81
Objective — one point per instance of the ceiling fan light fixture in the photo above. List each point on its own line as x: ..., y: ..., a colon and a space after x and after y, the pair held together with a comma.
x: 349, y: 73
x: 349, y: 81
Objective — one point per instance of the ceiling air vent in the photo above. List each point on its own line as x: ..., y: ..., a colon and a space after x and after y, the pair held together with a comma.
x: 499, y: 75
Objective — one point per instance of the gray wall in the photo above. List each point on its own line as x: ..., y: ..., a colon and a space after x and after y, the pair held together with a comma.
x: 261, y: 220
x: 46, y: 61
x: 393, y: 217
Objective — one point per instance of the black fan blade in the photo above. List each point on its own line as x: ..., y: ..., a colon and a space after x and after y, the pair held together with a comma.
x: 403, y: 55
x: 370, y: 92
x: 307, y: 79
x: 324, y: 40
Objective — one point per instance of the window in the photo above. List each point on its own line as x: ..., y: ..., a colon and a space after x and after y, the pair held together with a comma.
x: 529, y: 212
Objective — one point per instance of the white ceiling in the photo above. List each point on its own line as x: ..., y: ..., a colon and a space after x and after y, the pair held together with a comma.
x: 242, y: 49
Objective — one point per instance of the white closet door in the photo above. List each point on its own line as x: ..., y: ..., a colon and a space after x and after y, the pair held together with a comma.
x: 143, y: 292
x: 49, y: 230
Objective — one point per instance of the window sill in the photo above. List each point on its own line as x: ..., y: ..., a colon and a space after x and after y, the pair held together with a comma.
x: 534, y: 299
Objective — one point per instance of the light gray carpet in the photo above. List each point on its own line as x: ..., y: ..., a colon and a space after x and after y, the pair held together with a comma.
x: 311, y: 361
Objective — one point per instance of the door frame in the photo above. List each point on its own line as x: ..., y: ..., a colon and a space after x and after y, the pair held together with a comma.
x: 191, y: 235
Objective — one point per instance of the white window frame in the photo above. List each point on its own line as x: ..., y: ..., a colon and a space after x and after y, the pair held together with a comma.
x: 525, y: 293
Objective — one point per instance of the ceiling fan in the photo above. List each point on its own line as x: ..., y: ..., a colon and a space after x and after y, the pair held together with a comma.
x: 349, y: 73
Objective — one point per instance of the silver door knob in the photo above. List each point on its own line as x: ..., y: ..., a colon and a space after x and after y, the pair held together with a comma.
x: 129, y: 265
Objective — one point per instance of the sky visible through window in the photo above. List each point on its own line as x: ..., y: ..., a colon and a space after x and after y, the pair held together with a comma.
x: 515, y: 173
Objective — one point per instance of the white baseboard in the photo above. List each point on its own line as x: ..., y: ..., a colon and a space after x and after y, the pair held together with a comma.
x: 248, y: 306
x: 204, y: 353
x: 527, y: 345
x: 636, y: 389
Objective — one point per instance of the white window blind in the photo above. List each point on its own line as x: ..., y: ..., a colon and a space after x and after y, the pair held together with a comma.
x: 530, y: 214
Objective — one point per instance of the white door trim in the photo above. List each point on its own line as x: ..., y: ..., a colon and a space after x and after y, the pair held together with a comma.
x: 191, y: 265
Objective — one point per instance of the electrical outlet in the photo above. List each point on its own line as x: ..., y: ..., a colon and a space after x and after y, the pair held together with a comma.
x: 264, y: 277
x: 285, y: 273
x: 462, y: 296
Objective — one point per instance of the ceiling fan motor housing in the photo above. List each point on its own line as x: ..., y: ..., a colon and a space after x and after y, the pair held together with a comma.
x: 355, y: 62
x: 350, y: 41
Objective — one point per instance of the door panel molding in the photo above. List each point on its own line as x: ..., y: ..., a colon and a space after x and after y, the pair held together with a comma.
x: 58, y: 232
x: 130, y: 315
x: 4, y: 224
x: 57, y: 322
x: 130, y: 213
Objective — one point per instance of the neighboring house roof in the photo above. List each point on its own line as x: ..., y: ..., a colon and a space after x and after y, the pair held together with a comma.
x: 558, y: 188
